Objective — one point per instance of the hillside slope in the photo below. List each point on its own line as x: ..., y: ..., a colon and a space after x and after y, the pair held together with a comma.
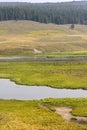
x: 27, y: 37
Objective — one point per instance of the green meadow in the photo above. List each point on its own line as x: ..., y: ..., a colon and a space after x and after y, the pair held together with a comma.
x: 56, y: 74
x: 27, y: 115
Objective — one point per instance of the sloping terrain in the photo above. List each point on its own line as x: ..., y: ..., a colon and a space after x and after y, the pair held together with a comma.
x: 27, y: 38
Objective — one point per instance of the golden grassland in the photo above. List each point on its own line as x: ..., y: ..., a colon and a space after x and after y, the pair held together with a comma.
x: 23, y: 37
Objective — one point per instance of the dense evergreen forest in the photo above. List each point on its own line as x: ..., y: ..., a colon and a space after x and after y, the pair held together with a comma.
x: 59, y: 13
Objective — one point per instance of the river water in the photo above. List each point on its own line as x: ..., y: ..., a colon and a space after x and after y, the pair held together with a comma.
x: 10, y: 90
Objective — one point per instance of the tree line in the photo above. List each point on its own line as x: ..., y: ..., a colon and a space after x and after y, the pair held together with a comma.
x: 58, y: 13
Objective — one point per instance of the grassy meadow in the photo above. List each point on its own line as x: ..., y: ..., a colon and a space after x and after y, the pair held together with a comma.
x: 32, y: 38
x: 56, y: 74
x: 27, y: 115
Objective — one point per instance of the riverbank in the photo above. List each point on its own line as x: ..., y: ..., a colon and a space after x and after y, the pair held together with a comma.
x: 43, y: 58
x: 71, y: 75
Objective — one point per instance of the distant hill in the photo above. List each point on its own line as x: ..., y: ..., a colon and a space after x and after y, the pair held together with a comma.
x: 59, y: 13
x: 24, y: 37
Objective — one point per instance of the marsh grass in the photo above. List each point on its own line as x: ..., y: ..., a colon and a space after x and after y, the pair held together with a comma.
x: 27, y: 115
x: 73, y: 119
x: 59, y: 75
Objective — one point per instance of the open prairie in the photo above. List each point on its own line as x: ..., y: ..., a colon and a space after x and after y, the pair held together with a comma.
x: 32, y: 38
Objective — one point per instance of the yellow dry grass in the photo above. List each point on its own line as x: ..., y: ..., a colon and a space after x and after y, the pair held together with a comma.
x: 47, y: 38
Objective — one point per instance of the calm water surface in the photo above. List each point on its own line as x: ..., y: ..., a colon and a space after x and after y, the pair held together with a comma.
x: 10, y: 90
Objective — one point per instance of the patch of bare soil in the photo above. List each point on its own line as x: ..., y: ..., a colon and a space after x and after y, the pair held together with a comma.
x: 37, y: 51
x: 65, y: 112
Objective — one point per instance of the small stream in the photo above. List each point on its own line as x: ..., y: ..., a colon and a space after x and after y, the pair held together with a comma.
x: 10, y: 90
x: 41, y: 59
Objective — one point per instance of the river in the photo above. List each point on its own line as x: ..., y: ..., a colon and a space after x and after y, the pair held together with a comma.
x: 10, y: 90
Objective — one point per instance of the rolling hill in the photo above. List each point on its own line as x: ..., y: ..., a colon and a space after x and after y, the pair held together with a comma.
x: 28, y: 37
